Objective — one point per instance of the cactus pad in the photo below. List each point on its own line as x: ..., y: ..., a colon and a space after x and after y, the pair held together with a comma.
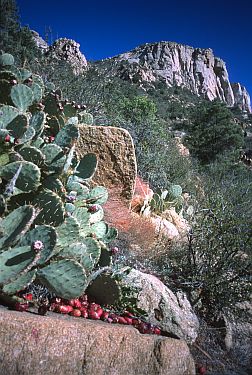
x: 52, y: 209
x: 6, y: 59
x: 54, y: 157
x: 67, y: 135
x: 22, y: 96
x: 20, y: 283
x: 15, y: 225
x: 44, y: 233
x: 14, y: 261
x: 29, y: 177
x: 18, y: 126
x: 37, y: 122
x: 8, y: 114
x: 104, y: 290
x: 86, y: 166
x: 98, y: 195
x: 32, y: 154
x: 66, y: 278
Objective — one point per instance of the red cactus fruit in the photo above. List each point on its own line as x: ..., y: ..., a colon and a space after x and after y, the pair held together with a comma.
x: 13, y: 82
x: 94, y: 208
x: 114, y: 250
x: 51, y: 138
x: 122, y: 320
x: 105, y: 315
x: 128, y: 320
x: 93, y: 315
x: 63, y: 309
x: 76, y: 313
x: 157, y: 331
x: 84, y: 312
x: 7, y: 138
x: 28, y: 296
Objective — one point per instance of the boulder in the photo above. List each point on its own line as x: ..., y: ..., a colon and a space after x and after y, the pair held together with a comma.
x: 116, y: 159
x: 173, y: 313
x: 55, y: 344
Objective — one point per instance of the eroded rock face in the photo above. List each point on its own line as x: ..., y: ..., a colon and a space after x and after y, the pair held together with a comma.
x: 196, y: 69
x: 54, y: 344
x: 117, y: 166
x: 173, y: 313
x: 69, y: 51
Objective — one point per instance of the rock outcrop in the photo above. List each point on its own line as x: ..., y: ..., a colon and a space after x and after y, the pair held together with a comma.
x: 173, y: 313
x: 54, y: 344
x: 69, y: 51
x: 116, y: 159
x: 175, y: 64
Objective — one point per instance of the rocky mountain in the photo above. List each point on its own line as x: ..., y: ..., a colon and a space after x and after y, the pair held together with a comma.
x: 180, y: 65
x: 175, y: 64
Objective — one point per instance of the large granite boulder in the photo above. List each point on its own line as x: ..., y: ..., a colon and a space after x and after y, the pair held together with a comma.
x: 55, y: 344
x: 116, y: 159
x: 173, y: 313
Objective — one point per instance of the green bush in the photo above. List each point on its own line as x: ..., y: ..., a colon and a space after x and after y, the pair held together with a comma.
x: 212, y: 131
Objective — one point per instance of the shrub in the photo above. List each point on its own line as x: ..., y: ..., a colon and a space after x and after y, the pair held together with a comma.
x: 212, y: 131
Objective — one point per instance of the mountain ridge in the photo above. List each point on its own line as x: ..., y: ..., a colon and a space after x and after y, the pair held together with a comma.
x: 176, y: 64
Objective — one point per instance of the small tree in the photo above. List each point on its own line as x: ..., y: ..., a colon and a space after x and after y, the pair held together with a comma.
x: 212, y: 131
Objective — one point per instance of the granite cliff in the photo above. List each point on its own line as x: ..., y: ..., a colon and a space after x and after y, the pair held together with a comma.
x: 179, y: 65
x: 175, y: 64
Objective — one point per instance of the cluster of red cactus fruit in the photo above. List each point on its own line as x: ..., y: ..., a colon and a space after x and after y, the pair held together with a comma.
x: 81, y: 307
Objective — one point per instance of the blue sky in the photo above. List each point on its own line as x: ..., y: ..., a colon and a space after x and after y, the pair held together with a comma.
x: 106, y: 28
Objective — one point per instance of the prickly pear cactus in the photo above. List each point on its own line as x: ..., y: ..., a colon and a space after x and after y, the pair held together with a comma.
x: 51, y: 223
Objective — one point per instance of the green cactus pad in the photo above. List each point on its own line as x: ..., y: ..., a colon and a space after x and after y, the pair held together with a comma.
x: 68, y: 232
x: 39, y: 81
x: 54, y: 157
x: 70, y: 208
x: 98, y: 195
x: 78, y: 252
x: 87, y: 166
x: 69, y: 110
x: 104, y: 290
x: 99, y: 229
x: 18, y: 126
x: 14, y: 261
x: 54, y: 184
x: 103, y: 232
x: 49, y: 86
x: 67, y: 135
x: 32, y: 154
x: 29, y: 177
x: 46, y: 234
x: 105, y: 258
x: 38, y: 143
x: 54, y: 125
x: 37, y: 92
x: 51, y: 206
x: 66, y: 278
x: 76, y: 186
x: 27, y: 136
x: 22, y: 96
x: 37, y: 122
x: 85, y: 118
x: 24, y: 74
x: 82, y: 216
x: 72, y: 120
x: 15, y: 225
x: 6, y: 59
x: 175, y: 191
x: 4, y: 159
x: 5, y: 90
x: 20, y: 283
x: 97, y: 216
x: 51, y: 105
x: 8, y: 114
